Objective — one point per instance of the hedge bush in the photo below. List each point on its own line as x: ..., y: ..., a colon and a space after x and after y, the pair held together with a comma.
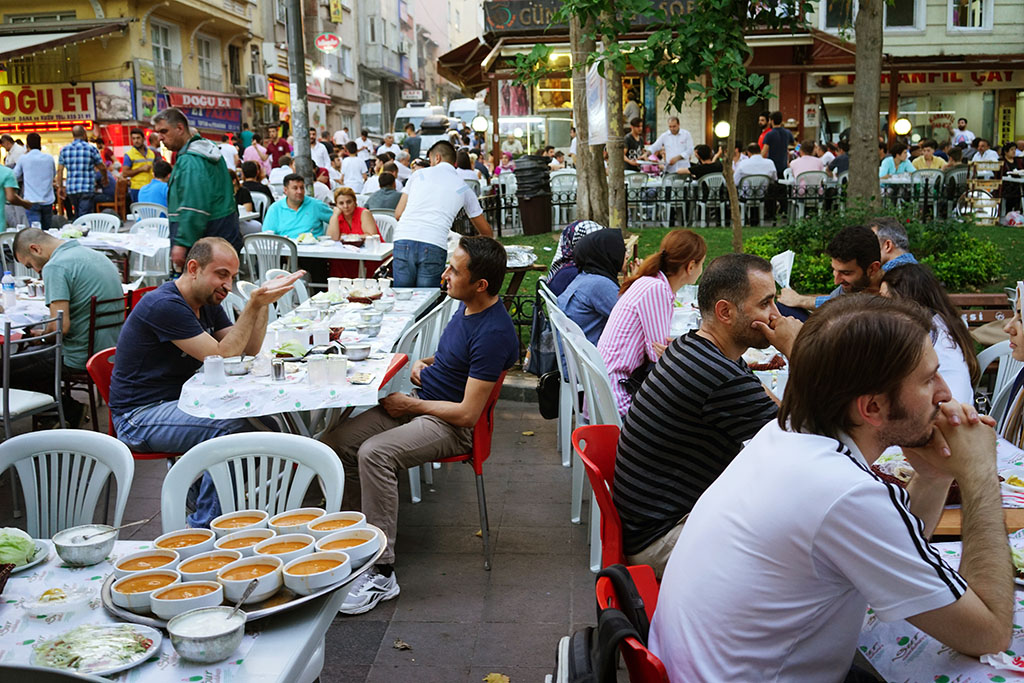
x: 960, y: 261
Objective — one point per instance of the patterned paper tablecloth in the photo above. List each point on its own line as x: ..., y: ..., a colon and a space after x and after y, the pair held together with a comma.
x: 19, y: 632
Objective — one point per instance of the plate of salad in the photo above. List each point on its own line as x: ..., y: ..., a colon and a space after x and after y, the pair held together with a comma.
x: 21, y: 550
x: 99, y: 649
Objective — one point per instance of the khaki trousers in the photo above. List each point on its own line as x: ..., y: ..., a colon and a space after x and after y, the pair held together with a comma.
x: 374, y: 447
x: 658, y: 552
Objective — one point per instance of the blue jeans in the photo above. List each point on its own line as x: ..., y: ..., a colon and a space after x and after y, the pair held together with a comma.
x: 82, y: 203
x: 40, y: 212
x: 418, y: 264
x: 133, y: 196
x: 164, y: 428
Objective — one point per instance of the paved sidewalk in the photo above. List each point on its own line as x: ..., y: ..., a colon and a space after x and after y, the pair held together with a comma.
x: 461, y: 621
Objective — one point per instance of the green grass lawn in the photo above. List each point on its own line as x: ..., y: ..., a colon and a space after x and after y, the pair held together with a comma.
x: 1009, y: 240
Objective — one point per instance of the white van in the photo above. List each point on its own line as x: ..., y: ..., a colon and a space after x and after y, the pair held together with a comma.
x: 414, y: 113
x: 466, y: 109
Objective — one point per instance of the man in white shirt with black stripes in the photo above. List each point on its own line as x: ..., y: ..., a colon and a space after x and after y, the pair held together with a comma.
x: 778, y: 561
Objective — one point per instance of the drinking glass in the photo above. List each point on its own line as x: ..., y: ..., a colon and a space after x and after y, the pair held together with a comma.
x: 213, y: 370
x: 316, y: 368
x: 337, y: 370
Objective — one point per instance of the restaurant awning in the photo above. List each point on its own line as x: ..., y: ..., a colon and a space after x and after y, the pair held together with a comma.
x: 20, y: 40
x: 201, y: 99
x: 464, y: 65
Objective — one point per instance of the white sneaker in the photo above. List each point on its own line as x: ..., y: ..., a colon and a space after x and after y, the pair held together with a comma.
x: 371, y: 588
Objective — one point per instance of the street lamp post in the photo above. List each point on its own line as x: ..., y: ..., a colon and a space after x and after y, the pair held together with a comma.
x: 299, y: 100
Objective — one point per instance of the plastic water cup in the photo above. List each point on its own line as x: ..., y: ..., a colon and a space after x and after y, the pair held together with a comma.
x: 781, y: 378
x: 346, y: 282
x: 316, y: 368
x: 321, y: 335
x: 213, y: 370
x: 334, y: 285
x: 385, y: 285
x: 337, y: 370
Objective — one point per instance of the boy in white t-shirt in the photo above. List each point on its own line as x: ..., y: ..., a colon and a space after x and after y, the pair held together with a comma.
x: 780, y: 558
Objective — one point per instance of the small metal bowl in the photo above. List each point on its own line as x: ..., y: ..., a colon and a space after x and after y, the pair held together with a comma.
x: 86, y: 554
x: 238, y: 365
x: 369, y: 331
x: 355, y: 352
x: 207, y: 648
x: 372, y: 317
x: 403, y: 294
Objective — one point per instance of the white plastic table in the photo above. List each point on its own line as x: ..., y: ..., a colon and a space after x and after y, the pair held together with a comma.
x: 136, y: 242
x: 287, y: 642
x: 336, y: 250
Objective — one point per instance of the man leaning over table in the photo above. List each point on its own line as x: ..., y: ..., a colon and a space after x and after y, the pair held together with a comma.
x: 771, y: 577
x: 437, y: 420
x: 696, y: 408
x: 430, y: 202
x: 296, y: 213
x: 165, y: 340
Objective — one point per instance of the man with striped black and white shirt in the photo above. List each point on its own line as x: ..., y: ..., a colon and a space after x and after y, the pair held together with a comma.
x: 697, y: 407
x: 780, y: 558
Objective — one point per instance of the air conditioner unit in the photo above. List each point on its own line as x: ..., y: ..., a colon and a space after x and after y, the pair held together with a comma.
x: 257, y: 85
x: 403, y: 47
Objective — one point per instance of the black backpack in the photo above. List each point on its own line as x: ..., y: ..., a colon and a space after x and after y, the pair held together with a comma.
x: 590, y: 655
x: 630, y: 602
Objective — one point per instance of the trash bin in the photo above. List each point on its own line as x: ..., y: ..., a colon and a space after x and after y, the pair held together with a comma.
x: 533, y: 189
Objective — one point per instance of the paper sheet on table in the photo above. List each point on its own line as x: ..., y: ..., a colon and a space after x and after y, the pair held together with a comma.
x: 782, y: 267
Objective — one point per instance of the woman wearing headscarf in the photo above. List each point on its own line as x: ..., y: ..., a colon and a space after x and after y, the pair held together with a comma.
x: 563, y: 268
x: 590, y: 297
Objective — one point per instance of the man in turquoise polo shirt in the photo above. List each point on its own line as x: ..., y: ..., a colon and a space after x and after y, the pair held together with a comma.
x: 296, y: 213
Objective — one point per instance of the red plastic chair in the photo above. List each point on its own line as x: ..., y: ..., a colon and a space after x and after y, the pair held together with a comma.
x: 100, y: 367
x: 482, y: 433
x: 643, y: 666
x: 136, y: 294
x: 598, y: 456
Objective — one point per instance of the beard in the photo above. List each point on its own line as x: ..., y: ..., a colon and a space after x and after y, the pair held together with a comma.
x: 747, y: 335
x: 905, y: 430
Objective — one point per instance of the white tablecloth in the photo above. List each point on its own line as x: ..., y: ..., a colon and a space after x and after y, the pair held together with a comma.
x: 137, y: 242
x: 27, y: 311
x: 337, y: 250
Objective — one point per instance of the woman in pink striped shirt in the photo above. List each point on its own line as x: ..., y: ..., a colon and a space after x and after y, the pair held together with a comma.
x: 637, y: 329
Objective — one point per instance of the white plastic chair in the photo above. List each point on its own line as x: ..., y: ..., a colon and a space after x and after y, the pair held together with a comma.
x: 233, y: 305
x: 808, y: 190
x: 263, y: 251
x: 155, y: 268
x: 1006, y: 372
x: 18, y: 403
x: 563, y: 184
x: 254, y: 470
x: 260, y: 202
x: 144, y: 210
x: 711, y: 192
x: 63, y: 473
x: 475, y: 184
x: 933, y: 177
x: 752, y: 191
x: 18, y: 270
x: 565, y: 397
x: 386, y: 225
x: 361, y: 199
x: 99, y: 222
x: 675, y: 188
x: 293, y: 298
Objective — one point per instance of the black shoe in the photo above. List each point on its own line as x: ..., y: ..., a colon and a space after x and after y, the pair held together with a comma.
x: 73, y: 413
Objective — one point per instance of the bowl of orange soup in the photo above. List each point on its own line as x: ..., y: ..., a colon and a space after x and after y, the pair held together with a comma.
x: 310, y: 573
x: 204, y: 566
x: 244, y: 541
x: 181, y: 597
x: 242, y: 520
x: 358, y: 544
x: 236, y: 577
x: 335, y: 521
x: 286, y: 546
x: 295, y: 521
x: 132, y: 592
x: 187, y: 542
x: 145, y: 560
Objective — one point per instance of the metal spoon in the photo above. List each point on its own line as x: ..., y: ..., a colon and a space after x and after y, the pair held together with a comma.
x: 248, y: 591
x: 82, y: 539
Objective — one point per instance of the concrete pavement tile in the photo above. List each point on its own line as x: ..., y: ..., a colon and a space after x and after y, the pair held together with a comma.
x: 458, y: 601
x: 420, y: 674
x: 534, y: 541
x: 433, y: 644
x: 351, y: 643
x: 441, y: 513
x: 454, y: 539
x: 443, y: 569
x: 517, y: 645
x: 536, y: 514
x: 516, y: 674
x: 533, y: 573
x: 506, y: 604
x: 541, y: 491
x: 343, y: 673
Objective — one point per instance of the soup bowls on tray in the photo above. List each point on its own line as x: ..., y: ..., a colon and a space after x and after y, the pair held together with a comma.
x: 236, y: 576
x: 145, y: 560
x: 240, y: 520
x: 244, y: 541
x: 358, y: 544
x: 133, y: 591
x: 294, y: 521
x: 187, y: 542
x: 308, y: 574
x: 336, y: 521
x: 204, y: 566
x: 287, y: 547
x: 169, y: 602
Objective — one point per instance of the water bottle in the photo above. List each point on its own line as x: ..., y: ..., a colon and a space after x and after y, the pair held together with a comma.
x: 10, y: 298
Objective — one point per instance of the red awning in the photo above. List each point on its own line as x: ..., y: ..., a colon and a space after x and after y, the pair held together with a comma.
x: 201, y: 99
x: 314, y: 95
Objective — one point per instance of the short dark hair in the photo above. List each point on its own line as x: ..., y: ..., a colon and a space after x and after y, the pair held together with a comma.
x: 224, y: 137
x: 855, y: 243
x: 766, y: 114
x: 463, y: 161
x: 754, y: 148
x: 929, y: 143
x: 825, y: 377
x: 29, y: 236
x: 410, y: 125
x: 890, y: 228
x: 364, y: 132
x: 137, y: 131
x: 978, y: 141
x: 487, y: 261
x: 250, y: 169
x: 776, y: 118
x: 173, y: 116
x: 728, y: 277
x: 256, y: 137
x: 161, y: 169
x: 897, y: 148
x: 284, y: 160
x: 703, y: 152
x: 351, y: 148
x: 292, y: 177
x: 844, y: 145
x: 961, y: 119
x: 385, y: 179
x: 33, y: 141
x: 202, y: 251
x: 445, y: 149
x: 390, y: 167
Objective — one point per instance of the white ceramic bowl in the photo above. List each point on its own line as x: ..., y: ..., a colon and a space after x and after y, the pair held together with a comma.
x: 261, y: 534
x: 227, y: 518
x: 402, y: 294
x: 304, y: 584
x: 267, y: 585
x: 139, y: 602
x: 171, y: 556
x: 358, y: 520
x: 76, y: 553
x: 301, y: 527
x: 1016, y: 473
x: 209, y: 574
x: 370, y: 542
x: 264, y: 548
x: 168, y: 542
x: 168, y: 608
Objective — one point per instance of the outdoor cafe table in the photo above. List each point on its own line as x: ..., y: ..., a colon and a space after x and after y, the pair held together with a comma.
x: 330, y: 249
x: 277, y: 648
x: 121, y: 242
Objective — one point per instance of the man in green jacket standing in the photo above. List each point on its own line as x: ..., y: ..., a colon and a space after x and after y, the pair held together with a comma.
x: 200, y: 196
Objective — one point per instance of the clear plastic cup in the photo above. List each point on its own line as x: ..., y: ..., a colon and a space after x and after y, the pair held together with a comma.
x: 321, y: 335
x: 337, y: 370
x: 213, y: 370
x: 316, y: 368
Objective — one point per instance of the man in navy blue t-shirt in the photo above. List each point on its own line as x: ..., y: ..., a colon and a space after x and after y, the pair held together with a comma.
x: 164, y: 341
x: 477, y: 346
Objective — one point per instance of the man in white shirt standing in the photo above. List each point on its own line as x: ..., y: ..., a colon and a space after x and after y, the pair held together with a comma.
x: 677, y: 146
x: 961, y: 134
x: 36, y: 170
x: 389, y: 146
x: 318, y: 150
x: 800, y: 509
x: 229, y: 152
x: 14, y: 150
x: 430, y: 201
x: 341, y: 137
x: 353, y: 169
x: 364, y: 146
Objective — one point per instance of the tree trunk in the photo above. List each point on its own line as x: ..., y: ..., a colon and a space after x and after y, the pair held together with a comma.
x: 616, y: 160
x: 864, y: 120
x: 591, y: 184
x: 730, y: 183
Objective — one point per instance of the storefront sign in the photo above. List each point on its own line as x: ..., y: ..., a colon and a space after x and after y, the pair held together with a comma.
x: 115, y: 100
x: 910, y: 81
x: 202, y: 100
x: 327, y: 42
x: 337, y: 11
x: 50, y: 102
x: 414, y: 95
x: 208, y: 120
x: 1006, y: 125
x: 145, y: 89
x: 536, y: 15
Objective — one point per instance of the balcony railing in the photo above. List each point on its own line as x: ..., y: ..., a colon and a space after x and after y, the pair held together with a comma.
x: 168, y: 73
x: 213, y: 82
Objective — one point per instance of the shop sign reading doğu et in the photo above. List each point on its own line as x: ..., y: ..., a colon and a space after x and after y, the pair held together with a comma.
x: 46, y: 102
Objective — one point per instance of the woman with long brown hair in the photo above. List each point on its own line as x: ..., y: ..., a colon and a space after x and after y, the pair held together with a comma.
x: 637, y: 329
x: 953, y: 344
